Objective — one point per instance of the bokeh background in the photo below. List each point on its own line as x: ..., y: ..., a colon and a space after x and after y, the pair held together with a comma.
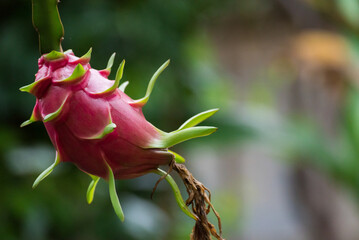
x: 284, y: 164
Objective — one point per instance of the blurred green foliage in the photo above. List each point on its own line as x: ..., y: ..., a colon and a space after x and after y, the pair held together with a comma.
x: 145, y: 33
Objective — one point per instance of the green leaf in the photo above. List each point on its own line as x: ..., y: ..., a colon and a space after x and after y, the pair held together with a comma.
x: 76, y: 75
x: 193, y: 121
x: 113, y: 195
x: 91, y: 189
x: 178, y: 158
x: 123, y: 86
x: 173, y: 138
x: 47, y: 171
x: 54, y: 115
x: 176, y: 192
x: 141, y: 102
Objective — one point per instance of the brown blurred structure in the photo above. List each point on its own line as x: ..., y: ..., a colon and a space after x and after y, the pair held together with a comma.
x: 319, y: 65
x: 320, y: 62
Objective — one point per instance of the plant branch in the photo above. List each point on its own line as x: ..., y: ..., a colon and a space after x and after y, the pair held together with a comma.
x: 47, y: 22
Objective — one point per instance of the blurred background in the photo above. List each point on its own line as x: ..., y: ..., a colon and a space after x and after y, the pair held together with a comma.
x: 284, y: 164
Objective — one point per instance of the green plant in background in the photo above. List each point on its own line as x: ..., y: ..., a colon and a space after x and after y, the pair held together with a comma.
x: 340, y: 162
x: 94, y: 124
x: 337, y: 157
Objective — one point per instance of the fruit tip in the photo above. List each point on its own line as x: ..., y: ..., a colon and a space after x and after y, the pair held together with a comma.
x: 88, y: 54
x: 27, y: 122
x: 25, y: 88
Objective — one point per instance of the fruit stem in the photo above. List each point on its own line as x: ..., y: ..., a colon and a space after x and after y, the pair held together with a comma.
x: 47, y: 22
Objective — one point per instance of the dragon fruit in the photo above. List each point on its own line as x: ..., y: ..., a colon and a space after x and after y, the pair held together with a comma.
x: 92, y: 123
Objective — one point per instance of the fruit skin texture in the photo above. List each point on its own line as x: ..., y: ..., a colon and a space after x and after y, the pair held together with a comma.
x: 85, y: 111
x: 95, y: 125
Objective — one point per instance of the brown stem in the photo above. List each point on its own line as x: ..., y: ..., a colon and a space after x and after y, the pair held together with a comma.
x: 200, y: 199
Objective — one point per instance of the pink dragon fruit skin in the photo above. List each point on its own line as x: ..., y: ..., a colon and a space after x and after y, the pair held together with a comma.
x: 94, y: 124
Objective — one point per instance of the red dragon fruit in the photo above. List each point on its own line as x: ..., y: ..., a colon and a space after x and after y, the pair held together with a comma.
x: 94, y: 124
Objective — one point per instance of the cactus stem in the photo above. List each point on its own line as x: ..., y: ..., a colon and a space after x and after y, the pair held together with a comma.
x: 47, y: 22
